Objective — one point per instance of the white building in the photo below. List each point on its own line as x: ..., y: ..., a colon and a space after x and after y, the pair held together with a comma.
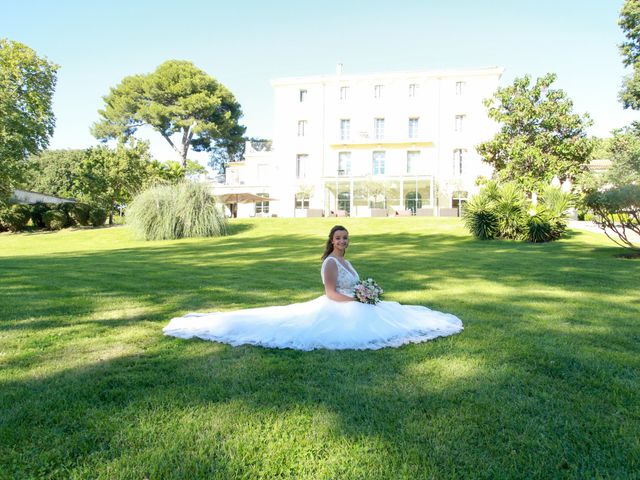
x: 368, y: 145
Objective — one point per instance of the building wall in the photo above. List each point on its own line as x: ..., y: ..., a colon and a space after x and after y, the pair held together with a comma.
x: 307, y: 122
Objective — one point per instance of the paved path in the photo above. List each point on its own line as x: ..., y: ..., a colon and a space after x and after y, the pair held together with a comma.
x: 592, y: 227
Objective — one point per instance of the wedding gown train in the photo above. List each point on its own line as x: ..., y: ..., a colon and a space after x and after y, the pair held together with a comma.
x: 320, y: 323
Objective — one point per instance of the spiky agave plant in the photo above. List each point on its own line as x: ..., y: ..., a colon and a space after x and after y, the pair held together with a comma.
x: 480, y: 218
x: 511, y: 206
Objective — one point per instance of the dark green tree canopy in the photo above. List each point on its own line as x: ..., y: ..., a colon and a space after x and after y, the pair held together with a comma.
x: 630, y: 51
x: 177, y: 100
x: 112, y: 176
x: 27, y: 83
x: 540, y: 136
x: 56, y: 172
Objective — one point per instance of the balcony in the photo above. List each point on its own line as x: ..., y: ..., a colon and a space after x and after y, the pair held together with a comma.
x: 365, y: 142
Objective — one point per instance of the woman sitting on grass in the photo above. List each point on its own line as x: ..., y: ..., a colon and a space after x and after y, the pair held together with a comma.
x: 336, y: 320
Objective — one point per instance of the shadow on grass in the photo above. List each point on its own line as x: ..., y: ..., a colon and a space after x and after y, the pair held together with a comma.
x: 546, y: 367
x: 426, y: 403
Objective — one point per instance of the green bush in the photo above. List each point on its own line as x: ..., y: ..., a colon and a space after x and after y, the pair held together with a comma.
x: 97, y: 216
x: 511, y: 207
x: 80, y: 212
x: 540, y: 228
x: 37, y: 214
x: 617, y: 212
x: 54, y: 219
x: 66, y: 208
x: 504, y: 211
x: 480, y: 218
x: 176, y: 211
x: 15, y: 217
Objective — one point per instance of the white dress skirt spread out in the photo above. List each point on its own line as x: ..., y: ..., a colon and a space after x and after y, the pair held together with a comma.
x: 320, y: 323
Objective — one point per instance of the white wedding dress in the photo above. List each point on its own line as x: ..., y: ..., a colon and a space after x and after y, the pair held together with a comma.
x: 320, y: 323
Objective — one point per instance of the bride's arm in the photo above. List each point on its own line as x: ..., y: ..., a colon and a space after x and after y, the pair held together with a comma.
x: 330, y: 279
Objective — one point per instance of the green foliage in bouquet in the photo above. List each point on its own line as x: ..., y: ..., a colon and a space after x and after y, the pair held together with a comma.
x: 176, y: 211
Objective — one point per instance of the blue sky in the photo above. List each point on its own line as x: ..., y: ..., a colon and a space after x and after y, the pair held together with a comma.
x: 246, y: 44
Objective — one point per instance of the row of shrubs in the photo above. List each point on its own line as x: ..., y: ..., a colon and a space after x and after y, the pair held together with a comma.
x: 505, y: 211
x: 16, y: 217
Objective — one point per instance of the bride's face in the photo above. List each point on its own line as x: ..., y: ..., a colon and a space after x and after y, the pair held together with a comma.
x: 340, y: 240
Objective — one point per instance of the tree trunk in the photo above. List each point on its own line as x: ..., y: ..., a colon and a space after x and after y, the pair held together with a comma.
x: 113, y: 202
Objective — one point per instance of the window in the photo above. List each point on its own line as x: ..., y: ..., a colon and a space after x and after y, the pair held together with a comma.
x: 413, y: 89
x: 459, y: 122
x: 301, y: 165
x: 302, y: 124
x: 413, y: 128
x: 377, y: 166
x: 344, y: 93
x: 345, y: 127
x: 413, y: 201
x: 413, y: 158
x: 344, y: 163
x: 459, y: 87
x: 377, y: 91
x: 379, y: 128
x: 302, y: 200
x: 303, y: 95
x: 457, y: 161
x: 262, y: 207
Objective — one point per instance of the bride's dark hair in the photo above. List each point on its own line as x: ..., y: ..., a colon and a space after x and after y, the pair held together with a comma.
x: 329, y: 246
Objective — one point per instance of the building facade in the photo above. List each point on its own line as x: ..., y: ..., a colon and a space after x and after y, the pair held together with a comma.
x: 372, y: 145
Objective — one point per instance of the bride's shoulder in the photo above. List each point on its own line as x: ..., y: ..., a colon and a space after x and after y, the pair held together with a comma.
x: 329, y: 259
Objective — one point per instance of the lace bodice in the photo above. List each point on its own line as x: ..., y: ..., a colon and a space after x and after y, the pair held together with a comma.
x: 347, y: 277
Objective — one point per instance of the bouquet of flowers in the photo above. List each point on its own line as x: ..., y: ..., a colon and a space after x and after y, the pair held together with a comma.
x: 368, y: 291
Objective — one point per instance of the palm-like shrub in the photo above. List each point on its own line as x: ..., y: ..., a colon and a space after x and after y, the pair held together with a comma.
x: 176, y: 211
x: 539, y: 227
x: 511, y: 208
x: 504, y: 211
x: 480, y: 217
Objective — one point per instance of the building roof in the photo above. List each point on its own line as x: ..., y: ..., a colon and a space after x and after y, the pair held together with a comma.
x: 469, y: 72
x: 29, y: 197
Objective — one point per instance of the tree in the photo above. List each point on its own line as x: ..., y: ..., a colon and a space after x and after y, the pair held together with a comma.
x: 540, y: 137
x: 27, y: 83
x: 172, y: 172
x: 110, y: 177
x: 56, y: 172
x: 177, y: 99
x: 630, y: 51
x: 624, y: 152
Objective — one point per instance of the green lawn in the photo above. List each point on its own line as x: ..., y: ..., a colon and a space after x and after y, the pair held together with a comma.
x: 543, y: 382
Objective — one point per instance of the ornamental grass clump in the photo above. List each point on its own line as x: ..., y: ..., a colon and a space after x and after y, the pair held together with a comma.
x: 185, y: 210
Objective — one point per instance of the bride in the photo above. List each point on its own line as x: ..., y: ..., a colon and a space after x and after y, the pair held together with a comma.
x: 333, y: 321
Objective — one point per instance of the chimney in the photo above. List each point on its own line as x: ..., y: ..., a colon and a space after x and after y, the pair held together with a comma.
x: 338, y: 69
